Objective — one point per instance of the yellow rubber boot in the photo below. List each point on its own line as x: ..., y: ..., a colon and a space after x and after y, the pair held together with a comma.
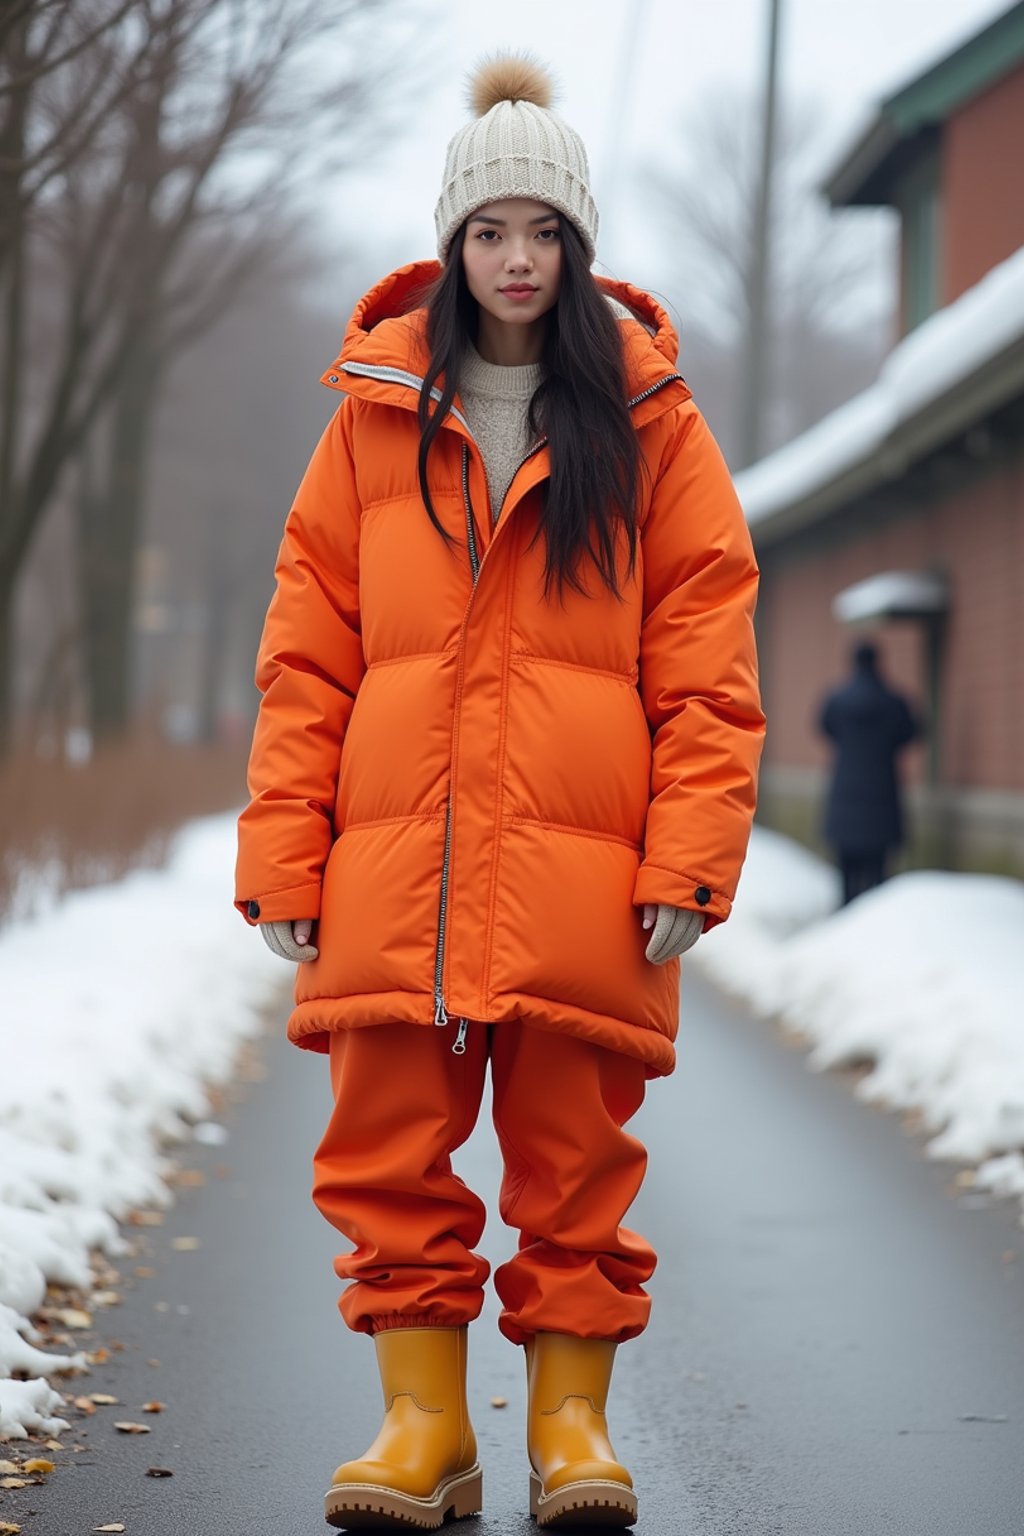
x: 575, y: 1479
x: 422, y: 1469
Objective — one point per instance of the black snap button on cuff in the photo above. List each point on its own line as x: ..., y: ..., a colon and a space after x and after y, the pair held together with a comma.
x: 254, y: 910
x: 702, y: 895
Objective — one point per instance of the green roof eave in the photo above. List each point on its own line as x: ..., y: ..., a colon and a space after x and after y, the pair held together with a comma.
x: 961, y: 368
x: 968, y: 404
x: 862, y: 175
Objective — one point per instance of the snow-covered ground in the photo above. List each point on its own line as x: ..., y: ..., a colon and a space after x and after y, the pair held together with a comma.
x: 117, y: 1007
x: 120, y: 1004
x: 923, y: 978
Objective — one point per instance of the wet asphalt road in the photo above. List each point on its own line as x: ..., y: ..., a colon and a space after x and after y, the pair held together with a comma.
x: 837, y: 1343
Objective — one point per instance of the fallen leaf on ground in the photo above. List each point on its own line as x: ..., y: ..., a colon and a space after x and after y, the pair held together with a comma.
x: 54, y: 1445
x: 103, y: 1399
x: 128, y: 1428
x: 74, y: 1317
x: 84, y: 1404
x: 499, y: 1402
x: 185, y: 1244
x: 39, y: 1464
x: 99, y: 1357
x: 13, y: 1482
x: 6, y: 1529
x: 152, y: 1362
x: 192, y: 1178
x: 113, y: 1527
x: 146, y: 1219
x: 105, y: 1298
x: 153, y: 1407
x: 9, y: 1466
x: 159, y: 1472
x: 145, y: 1271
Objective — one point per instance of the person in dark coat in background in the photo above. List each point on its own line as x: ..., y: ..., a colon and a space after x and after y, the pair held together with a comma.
x: 870, y: 725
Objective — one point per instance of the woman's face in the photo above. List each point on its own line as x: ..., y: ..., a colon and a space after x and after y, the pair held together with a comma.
x: 512, y: 258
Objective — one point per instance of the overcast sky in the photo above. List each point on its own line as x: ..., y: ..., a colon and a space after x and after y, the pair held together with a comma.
x: 846, y: 54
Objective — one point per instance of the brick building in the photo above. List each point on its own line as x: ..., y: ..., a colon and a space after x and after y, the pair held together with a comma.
x: 901, y: 515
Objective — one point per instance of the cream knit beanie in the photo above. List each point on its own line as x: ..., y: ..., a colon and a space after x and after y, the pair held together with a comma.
x: 517, y: 147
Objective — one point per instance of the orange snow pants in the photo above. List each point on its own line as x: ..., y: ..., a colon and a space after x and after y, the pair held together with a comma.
x: 404, y: 1101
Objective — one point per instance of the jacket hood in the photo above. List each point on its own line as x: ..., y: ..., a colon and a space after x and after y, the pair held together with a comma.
x: 388, y: 329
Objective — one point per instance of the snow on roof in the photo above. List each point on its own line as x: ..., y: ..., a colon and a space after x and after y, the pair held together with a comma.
x: 935, y: 359
x: 889, y: 594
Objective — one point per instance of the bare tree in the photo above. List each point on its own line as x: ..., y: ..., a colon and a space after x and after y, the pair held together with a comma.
x: 39, y: 39
x: 222, y: 114
x: 827, y: 324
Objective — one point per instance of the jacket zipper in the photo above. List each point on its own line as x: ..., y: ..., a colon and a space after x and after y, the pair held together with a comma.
x: 474, y: 557
x: 652, y: 389
x: 413, y: 381
x: 440, y: 1007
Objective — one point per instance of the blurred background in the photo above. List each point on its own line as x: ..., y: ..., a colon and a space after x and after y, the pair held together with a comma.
x: 193, y: 193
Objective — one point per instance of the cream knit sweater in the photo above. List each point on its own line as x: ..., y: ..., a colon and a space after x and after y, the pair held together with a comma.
x: 496, y: 401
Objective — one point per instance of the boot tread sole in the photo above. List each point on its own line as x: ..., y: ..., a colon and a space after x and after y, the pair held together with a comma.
x: 590, y: 1503
x: 372, y: 1507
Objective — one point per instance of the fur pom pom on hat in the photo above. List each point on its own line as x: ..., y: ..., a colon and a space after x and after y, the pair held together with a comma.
x: 508, y: 77
x: 516, y: 147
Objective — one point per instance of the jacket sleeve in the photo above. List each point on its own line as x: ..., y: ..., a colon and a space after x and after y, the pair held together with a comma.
x: 308, y: 670
x: 698, y: 676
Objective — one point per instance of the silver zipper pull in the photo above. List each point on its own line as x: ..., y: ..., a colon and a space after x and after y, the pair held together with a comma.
x: 440, y: 1011
x: 459, y: 1047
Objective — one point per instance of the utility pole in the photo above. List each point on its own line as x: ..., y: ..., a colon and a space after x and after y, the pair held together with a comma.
x: 634, y: 25
x: 758, y: 317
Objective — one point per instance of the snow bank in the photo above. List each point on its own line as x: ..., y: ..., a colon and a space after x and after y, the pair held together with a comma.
x: 117, y: 1007
x: 923, y: 978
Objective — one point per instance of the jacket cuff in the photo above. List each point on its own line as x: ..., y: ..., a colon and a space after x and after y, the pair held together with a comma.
x: 281, y: 906
x: 669, y: 887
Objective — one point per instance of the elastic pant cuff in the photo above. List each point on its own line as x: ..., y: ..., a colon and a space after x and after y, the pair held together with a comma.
x: 390, y: 1320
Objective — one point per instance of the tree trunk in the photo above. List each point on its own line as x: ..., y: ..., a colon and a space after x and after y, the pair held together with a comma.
x: 215, y: 635
x: 7, y: 591
x: 14, y: 299
x: 110, y: 521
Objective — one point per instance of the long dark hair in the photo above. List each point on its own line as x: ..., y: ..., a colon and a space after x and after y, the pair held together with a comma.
x: 580, y: 407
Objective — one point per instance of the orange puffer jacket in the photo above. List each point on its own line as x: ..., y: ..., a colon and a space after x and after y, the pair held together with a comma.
x: 472, y: 787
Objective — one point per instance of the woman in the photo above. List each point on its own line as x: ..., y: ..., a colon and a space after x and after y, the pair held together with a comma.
x: 509, y: 727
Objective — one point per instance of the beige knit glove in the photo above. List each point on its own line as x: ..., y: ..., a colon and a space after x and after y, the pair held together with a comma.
x: 676, y: 929
x: 290, y: 941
